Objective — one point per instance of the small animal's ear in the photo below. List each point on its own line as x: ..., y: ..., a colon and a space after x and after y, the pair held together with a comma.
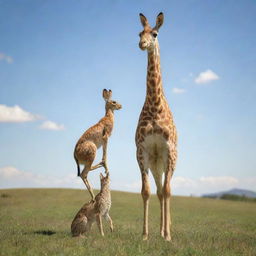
x: 143, y: 20
x: 109, y: 94
x: 159, y: 20
x: 105, y: 94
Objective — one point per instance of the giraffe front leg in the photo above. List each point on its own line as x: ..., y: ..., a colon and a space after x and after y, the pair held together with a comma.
x: 145, y: 192
x: 158, y: 181
x: 167, y: 195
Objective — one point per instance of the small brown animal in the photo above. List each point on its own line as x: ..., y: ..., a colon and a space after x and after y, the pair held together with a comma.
x: 93, y: 138
x: 94, y: 211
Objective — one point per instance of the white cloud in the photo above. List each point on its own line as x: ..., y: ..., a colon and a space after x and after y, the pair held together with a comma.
x: 11, y: 177
x: 6, y: 58
x: 196, y: 186
x: 178, y: 90
x: 50, y: 125
x: 205, y: 185
x: 15, y: 114
x: 206, y: 77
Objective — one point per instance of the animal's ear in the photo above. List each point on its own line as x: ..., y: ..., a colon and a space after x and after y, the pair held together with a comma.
x: 109, y: 94
x: 106, y: 94
x: 101, y: 176
x: 143, y: 20
x: 159, y: 20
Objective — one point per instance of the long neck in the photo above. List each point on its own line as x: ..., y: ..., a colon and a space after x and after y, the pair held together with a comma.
x: 154, y: 78
x: 109, y: 113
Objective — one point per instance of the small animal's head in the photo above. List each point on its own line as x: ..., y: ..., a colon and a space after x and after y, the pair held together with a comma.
x: 104, y: 180
x: 148, y: 37
x: 110, y: 104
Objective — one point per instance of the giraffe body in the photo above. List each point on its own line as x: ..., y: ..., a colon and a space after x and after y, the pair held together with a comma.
x: 156, y: 137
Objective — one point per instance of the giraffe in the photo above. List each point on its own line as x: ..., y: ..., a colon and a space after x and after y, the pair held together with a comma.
x: 156, y: 137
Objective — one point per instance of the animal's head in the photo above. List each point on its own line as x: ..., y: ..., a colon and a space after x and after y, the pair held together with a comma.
x: 110, y: 104
x: 148, y: 37
x: 104, y: 180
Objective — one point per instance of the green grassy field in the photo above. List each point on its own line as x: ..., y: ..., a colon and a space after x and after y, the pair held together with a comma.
x: 37, y: 222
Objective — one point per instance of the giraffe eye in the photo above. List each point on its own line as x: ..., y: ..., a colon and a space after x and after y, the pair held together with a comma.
x: 114, y: 102
x: 154, y: 34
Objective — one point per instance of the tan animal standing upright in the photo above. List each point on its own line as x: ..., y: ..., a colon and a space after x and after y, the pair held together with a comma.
x: 93, y: 138
x: 156, y: 136
x: 94, y: 211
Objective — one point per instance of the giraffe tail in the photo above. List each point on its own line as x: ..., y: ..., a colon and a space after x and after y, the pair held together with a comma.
x: 78, y: 166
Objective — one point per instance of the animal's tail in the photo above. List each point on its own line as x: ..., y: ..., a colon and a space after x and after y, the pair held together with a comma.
x: 78, y: 166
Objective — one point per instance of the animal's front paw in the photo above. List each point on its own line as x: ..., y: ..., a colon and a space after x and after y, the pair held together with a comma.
x: 92, y: 200
x: 103, y: 163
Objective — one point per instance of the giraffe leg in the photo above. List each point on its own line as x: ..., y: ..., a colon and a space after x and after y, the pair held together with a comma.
x: 145, y: 192
x: 167, y: 195
x: 159, y: 185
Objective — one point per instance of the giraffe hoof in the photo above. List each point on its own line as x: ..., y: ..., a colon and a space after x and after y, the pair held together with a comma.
x: 145, y: 237
x: 168, y: 238
x: 162, y: 234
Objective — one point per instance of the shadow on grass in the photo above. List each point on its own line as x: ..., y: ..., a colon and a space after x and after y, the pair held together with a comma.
x: 45, y: 232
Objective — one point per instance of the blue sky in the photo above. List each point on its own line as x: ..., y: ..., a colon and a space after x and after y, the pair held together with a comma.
x: 57, y: 56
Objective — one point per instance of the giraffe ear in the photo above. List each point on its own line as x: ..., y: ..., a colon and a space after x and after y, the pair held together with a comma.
x: 159, y: 20
x: 143, y: 20
x: 101, y: 176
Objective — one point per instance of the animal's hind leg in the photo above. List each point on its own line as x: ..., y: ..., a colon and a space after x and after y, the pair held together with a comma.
x: 108, y: 218
x: 87, y: 183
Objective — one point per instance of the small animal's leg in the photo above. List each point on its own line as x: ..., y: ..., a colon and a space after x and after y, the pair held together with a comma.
x: 78, y: 226
x: 99, y: 223
x: 108, y: 218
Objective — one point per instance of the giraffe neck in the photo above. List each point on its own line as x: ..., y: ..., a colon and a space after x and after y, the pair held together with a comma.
x: 154, y: 78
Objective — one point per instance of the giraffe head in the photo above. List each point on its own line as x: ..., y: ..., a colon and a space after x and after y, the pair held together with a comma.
x: 110, y: 104
x: 148, y: 37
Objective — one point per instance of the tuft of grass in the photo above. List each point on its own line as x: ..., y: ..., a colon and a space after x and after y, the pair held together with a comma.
x: 37, y: 222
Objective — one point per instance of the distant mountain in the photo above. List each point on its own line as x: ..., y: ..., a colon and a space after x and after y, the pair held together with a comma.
x: 234, y: 191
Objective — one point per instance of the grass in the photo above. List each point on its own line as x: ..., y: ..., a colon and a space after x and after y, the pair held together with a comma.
x: 37, y: 222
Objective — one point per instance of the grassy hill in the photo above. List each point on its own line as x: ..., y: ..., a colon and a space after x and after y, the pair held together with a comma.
x: 37, y: 222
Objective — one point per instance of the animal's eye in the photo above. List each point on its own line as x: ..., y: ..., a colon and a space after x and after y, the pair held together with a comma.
x: 114, y: 102
x: 154, y: 34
